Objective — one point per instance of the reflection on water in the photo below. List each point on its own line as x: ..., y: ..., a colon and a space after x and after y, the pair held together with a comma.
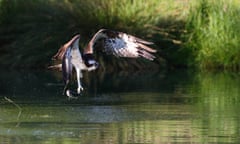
x: 173, y: 107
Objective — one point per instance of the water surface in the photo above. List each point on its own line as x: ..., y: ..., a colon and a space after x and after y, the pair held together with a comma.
x: 144, y: 107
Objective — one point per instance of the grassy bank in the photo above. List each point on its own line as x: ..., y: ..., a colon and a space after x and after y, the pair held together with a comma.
x: 214, y: 34
x: 32, y: 30
x: 186, y: 33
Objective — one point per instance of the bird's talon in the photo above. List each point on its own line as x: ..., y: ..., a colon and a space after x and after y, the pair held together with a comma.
x: 79, y: 90
x: 70, y: 95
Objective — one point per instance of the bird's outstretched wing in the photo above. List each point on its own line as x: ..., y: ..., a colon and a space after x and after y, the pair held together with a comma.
x: 120, y: 44
x: 70, y: 55
x: 73, y: 43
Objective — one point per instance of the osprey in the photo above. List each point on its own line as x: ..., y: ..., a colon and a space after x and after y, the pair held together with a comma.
x: 112, y: 42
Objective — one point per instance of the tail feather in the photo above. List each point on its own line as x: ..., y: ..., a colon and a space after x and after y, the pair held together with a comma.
x: 56, y: 67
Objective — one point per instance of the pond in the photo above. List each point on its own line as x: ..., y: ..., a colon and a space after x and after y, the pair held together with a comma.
x: 134, y: 108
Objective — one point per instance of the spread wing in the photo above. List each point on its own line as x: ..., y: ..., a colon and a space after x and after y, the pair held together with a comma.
x: 72, y: 44
x: 120, y: 44
x: 69, y: 54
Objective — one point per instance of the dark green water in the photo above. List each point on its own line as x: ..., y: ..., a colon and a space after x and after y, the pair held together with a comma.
x: 174, y: 107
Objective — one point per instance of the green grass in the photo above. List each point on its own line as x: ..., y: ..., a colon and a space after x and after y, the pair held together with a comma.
x: 214, y: 34
x: 32, y: 30
x: 186, y: 33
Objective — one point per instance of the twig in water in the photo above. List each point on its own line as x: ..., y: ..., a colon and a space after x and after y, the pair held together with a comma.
x: 19, y: 108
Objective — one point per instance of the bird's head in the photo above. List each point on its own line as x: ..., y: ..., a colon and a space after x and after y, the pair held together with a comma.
x: 90, y: 61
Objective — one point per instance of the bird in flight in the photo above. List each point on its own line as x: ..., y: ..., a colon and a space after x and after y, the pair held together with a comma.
x: 111, y: 42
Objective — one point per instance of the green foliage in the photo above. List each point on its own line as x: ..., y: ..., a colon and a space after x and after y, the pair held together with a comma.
x: 32, y: 30
x: 201, y: 33
x: 214, y: 33
x: 27, y: 31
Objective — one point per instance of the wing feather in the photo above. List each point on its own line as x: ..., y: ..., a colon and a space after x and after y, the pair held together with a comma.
x: 70, y: 55
x: 121, y: 44
x: 62, y: 50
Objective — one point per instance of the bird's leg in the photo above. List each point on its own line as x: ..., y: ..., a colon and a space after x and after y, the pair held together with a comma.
x: 64, y: 90
x: 79, y: 75
x: 65, y: 87
x: 71, y: 94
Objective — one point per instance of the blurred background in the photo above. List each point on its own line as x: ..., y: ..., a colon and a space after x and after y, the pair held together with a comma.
x: 203, y: 34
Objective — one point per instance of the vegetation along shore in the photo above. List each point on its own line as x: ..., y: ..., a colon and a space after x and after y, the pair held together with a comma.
x: 201, y: 34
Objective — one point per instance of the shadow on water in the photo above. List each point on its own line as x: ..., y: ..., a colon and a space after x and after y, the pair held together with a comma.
x: 46, y: 87
x: 142, y: 107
